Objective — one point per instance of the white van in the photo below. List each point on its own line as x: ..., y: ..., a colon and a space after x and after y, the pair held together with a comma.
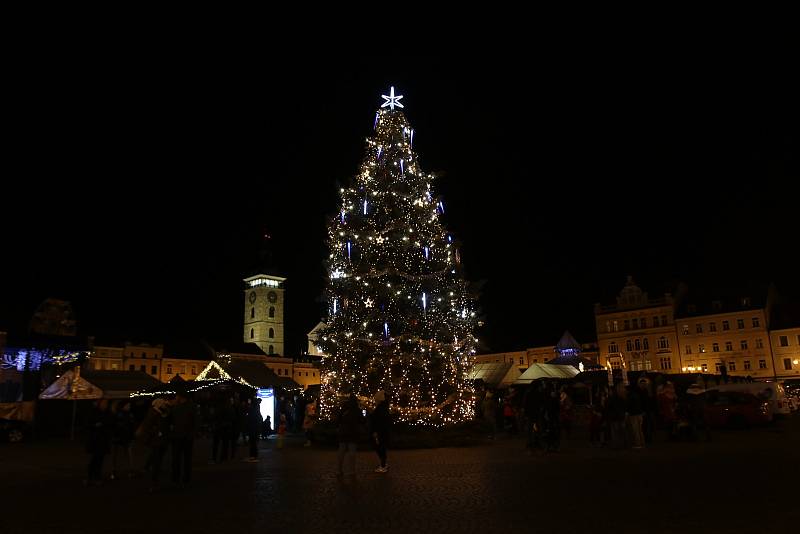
x: 772, y: 392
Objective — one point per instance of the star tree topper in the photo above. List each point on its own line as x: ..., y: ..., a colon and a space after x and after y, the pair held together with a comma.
x: 391, y: 100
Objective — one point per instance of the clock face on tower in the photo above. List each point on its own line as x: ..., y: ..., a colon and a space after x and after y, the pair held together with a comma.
x: 272, y: 296
x: 252, y: 297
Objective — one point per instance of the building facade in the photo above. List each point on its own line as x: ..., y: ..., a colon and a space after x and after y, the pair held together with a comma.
x: 263, y: 312
x: 723, y: 339
x: 785, y: 345
x: 637, y: 333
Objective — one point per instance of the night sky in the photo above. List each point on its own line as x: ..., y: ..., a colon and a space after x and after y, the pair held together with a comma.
x: 142, y: 181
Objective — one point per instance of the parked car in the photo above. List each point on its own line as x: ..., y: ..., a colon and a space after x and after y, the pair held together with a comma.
x: 12, y: 430
x: 736, y: 409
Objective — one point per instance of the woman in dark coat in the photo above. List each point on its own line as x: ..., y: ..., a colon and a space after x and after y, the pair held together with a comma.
x: 101, y: 425
x: 379, y: 423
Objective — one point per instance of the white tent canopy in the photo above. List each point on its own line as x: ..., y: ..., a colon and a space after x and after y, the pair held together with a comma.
x: 71, y: 386
x: 545, y: 370
x: 495, y: 374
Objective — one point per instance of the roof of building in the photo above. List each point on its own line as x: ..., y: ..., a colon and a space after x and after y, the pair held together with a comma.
x: 240, y: 348
x: 252, y: 372
x: 120, y: 380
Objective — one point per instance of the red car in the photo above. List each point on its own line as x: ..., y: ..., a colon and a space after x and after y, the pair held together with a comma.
x: 735, y: 409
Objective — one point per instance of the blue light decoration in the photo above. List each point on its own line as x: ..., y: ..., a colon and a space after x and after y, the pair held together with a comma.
x: 380, y: 149
x: 424, y: 302
x: 428, y: 193
x: 449, y: 238
x: 402, y: 170
x: 342, y: 216
x: 18, y: 359
x: 349, y: 246
x: 386, y: 330
x: 440, y: 205
x: 411, y: 143
x: 427, y: 252
x: 377, y: 114
x: 334, y: 306
x: 365, y: 206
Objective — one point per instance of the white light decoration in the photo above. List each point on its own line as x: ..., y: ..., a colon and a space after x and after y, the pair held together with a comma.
x: 369, y: 302
x: 391, y: 100
x: 334, y: 306
x: 338, y: 274
x: 424, y: 302
x: 365, y: 206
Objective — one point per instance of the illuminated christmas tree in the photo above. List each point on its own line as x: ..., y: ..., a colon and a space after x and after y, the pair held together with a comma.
x: 400, y: 317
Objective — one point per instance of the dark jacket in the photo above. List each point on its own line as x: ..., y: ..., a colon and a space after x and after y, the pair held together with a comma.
x: 101, y: 425
x: 183, y: 420
x: 634, y: 405
x: 124, y: 425
x: 380, y: 420
x: 349, y: 421
x: 254, y: 420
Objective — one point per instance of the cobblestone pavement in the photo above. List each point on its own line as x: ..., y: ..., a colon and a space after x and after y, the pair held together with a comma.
x: 740, y: 482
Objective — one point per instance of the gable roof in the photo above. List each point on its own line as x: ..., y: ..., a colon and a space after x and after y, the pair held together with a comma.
x: 546, y: 370
x: 253, y: 373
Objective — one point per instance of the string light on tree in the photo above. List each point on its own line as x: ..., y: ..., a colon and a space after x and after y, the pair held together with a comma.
x: 404, y: 339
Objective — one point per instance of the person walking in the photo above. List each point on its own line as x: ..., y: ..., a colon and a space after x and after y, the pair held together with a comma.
x: 184, y: 426
x: 379, y: 423
x: 101, y: 424
x: 348, y: 421
x: 254, y: 422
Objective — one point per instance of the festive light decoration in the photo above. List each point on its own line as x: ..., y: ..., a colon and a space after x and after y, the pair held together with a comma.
x: 400, y: 321
x: 392, y: 100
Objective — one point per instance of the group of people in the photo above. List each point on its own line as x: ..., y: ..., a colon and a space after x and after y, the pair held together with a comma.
x: 171, y: 424
x: 350, y: 419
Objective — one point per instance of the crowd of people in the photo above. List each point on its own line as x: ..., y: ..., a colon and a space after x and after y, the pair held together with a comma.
x: 620, y: 416
x: 171, y: 425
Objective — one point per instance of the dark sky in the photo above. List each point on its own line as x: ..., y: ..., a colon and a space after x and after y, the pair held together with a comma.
x: 142, y: 179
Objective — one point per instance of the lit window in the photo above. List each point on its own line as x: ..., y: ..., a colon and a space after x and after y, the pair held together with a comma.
x: 705, y: 367
x: 616, y: 326
x: 701, y: 348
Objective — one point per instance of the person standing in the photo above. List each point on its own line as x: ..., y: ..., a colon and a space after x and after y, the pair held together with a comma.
x: 183, y: 430
x: 122, y: 437
x: 348, y: 421
x: 254, y: 423
x: 635, y: 409
x: 154, y: 434
x: 379, y: 423
x: 309, y: 421
x: 101, y: 424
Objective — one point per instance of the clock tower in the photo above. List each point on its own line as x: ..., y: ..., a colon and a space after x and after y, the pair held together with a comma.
x: 263, y: 312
